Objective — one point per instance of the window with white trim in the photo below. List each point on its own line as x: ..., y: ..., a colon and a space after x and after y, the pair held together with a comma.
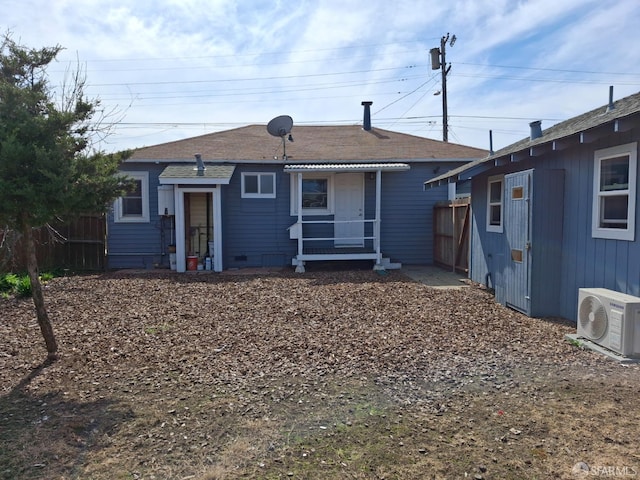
x: 614, y: 192
x: 133, y: 207
x: 495, y: 195
x: 258, y: 185
x: 317, y: 194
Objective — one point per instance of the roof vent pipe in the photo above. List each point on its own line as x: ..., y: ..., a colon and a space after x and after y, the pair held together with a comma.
x: 199, y: 164
x: 536, y: 129
x: 610, y: 106
x: 366, y: 123
x: 491, y: 152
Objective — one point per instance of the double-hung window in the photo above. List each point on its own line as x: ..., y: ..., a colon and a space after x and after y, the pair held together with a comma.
x: 495, y: 195
x: 258, y: 185
x: 133, y: 207
x: 614, y: 196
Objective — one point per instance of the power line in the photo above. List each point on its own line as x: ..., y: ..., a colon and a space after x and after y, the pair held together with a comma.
x: 546, y: 69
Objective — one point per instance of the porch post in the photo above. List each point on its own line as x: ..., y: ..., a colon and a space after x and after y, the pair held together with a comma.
x: 181, y: 254
x: 300, y: 264
x: 376, y: 225
x: 217, y: 229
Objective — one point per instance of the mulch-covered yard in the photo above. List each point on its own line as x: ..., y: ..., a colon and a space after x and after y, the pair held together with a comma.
x: 328, y: 374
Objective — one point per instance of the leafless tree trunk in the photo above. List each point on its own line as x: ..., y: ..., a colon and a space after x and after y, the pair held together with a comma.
x: 38, y: 297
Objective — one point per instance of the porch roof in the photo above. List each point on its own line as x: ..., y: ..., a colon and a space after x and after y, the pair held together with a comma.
x: 347, y: 167
x: 189, y: 174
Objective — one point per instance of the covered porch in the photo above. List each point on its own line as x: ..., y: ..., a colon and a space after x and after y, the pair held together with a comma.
x: 334, y: 219
x: 196, y: 189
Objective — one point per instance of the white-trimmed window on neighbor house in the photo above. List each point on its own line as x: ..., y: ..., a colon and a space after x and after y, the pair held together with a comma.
x: 495, y: 195
x: 258, y: 185
x: 614, y: 196
x: 133, y: 207
x: 317, y: 194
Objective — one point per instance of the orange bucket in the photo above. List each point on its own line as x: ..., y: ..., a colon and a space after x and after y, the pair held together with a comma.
x: 192, y: 263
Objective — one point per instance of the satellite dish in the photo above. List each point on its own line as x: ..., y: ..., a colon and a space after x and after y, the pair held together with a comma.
x: 280, y: 126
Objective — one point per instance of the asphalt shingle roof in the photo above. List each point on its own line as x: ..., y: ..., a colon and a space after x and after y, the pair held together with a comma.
x: 311, y: 144
x: 624, y: 107
x: 211, y: 172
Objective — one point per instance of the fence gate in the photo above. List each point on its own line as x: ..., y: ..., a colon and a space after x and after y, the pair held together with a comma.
x: 451, y: 223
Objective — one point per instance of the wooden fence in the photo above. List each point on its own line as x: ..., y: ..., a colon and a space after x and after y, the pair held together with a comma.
x: 451, y: 228
x: 76, y: 246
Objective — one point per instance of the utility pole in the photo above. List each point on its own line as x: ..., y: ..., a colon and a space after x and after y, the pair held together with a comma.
x: 439, y: 60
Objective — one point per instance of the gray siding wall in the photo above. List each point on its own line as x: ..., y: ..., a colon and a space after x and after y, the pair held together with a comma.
x: 585, y: 261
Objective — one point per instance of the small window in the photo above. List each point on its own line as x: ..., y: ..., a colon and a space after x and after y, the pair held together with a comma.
x: 517, y: 193
x: 258, y: 185
x: 134, y: 206
x: 614, y: 195
x: 494, y: 204
x: 516, y: 255
x: 317, y: 194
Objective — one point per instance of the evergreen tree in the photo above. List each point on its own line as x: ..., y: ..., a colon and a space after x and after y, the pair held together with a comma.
x: 48, y: 166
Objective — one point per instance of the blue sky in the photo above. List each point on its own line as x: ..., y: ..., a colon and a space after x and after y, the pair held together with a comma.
x: 170, y: 69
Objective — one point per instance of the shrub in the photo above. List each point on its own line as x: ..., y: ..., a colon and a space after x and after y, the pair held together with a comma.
x: 20, y: 285
x: 23, y: 287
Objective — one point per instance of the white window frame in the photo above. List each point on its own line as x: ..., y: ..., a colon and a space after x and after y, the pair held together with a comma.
x: 630, y: 150
x: 118, y: 216
x: 313, y: 211
x: 244, y: 194
x: 490, y: 180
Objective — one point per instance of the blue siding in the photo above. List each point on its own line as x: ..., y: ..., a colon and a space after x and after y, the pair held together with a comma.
x: 254, y: 231
x: 257, y: 229
x: 407, y: 214
x: 584, y: 261
x: 138, y: 245
x: 547, y: 220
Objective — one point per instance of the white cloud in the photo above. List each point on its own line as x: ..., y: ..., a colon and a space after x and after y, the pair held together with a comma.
x: 219, y: 64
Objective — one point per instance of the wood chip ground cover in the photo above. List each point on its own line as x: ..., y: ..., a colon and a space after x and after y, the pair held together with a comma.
x: 330, y: 374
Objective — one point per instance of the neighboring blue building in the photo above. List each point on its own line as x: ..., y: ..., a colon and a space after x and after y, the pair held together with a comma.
x: 558, y: 211
x: 251, y: 199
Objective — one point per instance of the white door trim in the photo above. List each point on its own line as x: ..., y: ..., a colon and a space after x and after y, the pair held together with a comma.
x: 181, y: 253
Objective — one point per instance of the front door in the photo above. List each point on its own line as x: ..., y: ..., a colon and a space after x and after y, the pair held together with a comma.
x: 349, y: 210
x: 517, y: 223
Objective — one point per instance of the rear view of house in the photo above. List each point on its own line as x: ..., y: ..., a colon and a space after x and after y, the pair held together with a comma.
x: 557, y: 212
x: 248, y: 198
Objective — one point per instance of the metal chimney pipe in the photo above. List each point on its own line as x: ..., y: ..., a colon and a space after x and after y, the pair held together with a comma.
x: 366, y: 123
x: 491, y: 152
x: 536, y: 129
x: 610, y: 106
x: 199, y: 164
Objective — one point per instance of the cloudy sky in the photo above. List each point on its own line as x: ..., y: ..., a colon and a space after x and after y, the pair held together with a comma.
x: 170, y: 69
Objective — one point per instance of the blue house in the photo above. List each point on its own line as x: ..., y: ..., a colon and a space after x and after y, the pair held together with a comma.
x: 557, y: 211
x: 245, y: 198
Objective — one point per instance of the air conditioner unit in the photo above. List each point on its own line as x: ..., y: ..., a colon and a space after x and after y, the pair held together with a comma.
x: 610, y: 319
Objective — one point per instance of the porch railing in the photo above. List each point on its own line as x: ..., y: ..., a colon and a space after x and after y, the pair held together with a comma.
x: 296, y: 232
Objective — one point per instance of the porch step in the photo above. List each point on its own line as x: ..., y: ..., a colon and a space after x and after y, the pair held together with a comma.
x: 389, y: 265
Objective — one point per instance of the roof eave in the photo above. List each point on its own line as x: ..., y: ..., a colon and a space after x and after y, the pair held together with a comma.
x: 548, y: 142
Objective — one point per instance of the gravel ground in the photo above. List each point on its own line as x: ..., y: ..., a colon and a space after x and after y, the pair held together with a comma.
x: 263, y: 340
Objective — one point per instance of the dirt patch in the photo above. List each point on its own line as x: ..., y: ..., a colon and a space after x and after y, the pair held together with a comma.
x: 340, y: 374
